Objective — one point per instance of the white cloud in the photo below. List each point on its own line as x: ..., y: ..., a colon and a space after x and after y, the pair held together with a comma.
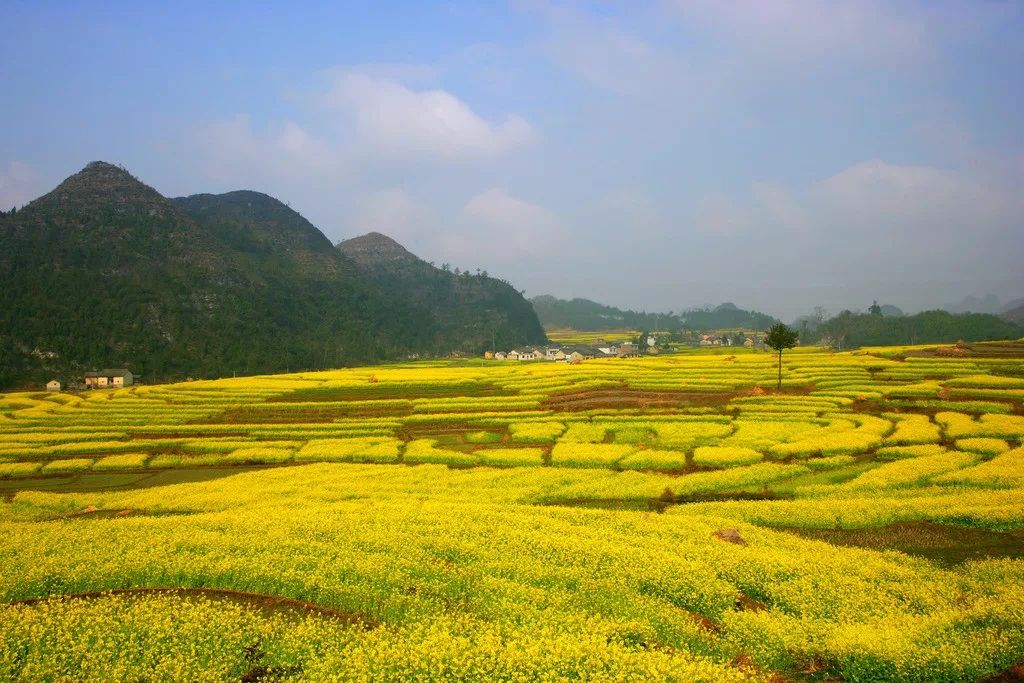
x: 19, y: 184
x: 803, y: 35
x: 875, y: 219
x: 234, y: 152
x: 496, y: 227
x: 395, y: 120
x: 395, y: 213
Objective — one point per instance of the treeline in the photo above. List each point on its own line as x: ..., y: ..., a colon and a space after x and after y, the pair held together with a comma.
x: 850, y: 330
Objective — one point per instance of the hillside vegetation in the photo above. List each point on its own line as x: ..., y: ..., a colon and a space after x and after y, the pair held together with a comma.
x: 105, y: 272
x: 851, y: 330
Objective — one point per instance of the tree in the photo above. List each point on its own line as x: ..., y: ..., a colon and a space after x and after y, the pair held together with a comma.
x: 780, y: 337
x: 874, y: 308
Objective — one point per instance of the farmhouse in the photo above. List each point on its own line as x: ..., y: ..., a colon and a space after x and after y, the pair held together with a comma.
x: 628, y: 351
x: 554, y: 354
x: 53, y: 385
x: 109, y: 378
x: 500, y: 355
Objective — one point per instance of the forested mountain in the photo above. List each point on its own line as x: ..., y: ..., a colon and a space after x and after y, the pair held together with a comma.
x: 471, y: 311
x: 105, y: 272
x: 726, y: 315
x: 927, y: 327
x: 586, y: 315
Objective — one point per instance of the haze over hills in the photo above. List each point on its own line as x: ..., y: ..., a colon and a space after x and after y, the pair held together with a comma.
x: 105, y: 271
x: 586, y: 315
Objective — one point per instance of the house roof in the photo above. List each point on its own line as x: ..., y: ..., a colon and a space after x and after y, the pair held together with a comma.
x: 108, y: 372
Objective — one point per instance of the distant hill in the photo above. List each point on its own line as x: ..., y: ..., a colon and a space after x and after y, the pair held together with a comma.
x: 470, y: 311
x: 927, y: 327
x: 105, y: 272
x: 973, y: 304
x: 726, y: 315
x: 586, y: 315
x: 1015, y: 314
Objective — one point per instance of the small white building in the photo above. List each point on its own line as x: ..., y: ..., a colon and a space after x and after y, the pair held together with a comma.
x: 500, y: 355
x: 513, y: 355
x: 53, y: 385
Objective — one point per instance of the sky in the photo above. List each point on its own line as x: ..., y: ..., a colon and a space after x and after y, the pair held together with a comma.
x: 651, y: 155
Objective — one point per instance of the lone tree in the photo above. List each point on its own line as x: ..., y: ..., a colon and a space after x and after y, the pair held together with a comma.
x: 780, y: 337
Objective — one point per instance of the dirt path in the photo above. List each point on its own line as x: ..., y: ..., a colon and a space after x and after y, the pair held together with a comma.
x: 270, y: 604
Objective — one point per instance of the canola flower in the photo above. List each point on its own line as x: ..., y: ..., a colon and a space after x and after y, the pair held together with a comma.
x: 498, y: 521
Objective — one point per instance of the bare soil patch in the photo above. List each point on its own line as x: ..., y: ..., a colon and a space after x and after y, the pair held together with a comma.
x: 659, y: 504
x: 262, y: 602
x: 1015, y: 674
x: 375, y: 392
x: 943, y: 544
x: 632, y: 398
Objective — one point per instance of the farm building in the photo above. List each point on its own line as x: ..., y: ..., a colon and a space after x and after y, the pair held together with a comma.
x: 109, y: 378
x: 53, y: 385
x: 554, y: 354
x: 628, y: 351
x: 500, y: 355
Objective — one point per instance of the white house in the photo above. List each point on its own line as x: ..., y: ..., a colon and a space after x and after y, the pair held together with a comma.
x: 53, y: 385
x: 500, y: 355
x: 513, y: 355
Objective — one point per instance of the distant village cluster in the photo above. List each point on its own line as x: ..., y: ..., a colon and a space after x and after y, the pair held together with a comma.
x: 571, y: 354
x: 109, y: 378
x: 648, y: 345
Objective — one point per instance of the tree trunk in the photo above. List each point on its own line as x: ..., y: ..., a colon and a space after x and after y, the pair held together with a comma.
x: 780, y: 371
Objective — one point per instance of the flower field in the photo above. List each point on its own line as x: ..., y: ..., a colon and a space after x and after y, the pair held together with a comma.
x: 663, y: 518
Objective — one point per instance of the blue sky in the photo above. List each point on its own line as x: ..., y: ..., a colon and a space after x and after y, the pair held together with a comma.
x: 653, y: 155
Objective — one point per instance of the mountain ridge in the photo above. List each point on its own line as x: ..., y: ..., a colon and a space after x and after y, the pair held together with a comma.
x: 104, y: 271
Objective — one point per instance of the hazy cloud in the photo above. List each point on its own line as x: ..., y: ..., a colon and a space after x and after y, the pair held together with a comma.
x: 19, y: 184
x: 651, y: 154
x: 391, y: 119
x: 500, y: 228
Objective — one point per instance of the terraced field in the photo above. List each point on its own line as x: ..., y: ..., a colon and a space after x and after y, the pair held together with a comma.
x: 668, y: 518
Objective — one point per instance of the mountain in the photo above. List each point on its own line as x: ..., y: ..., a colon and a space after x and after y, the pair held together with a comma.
x: 105, y: 272
x: 587, y: 315
x: 1015, y: 314
x: 725, y: 316
x: 972, y: 304
x: 470, y: 312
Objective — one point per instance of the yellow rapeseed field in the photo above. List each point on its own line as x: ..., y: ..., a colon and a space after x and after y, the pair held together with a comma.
x: 653, y: 519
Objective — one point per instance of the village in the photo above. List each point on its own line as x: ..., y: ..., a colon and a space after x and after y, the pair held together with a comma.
x: 645, y: 344
x: 108, y: 378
